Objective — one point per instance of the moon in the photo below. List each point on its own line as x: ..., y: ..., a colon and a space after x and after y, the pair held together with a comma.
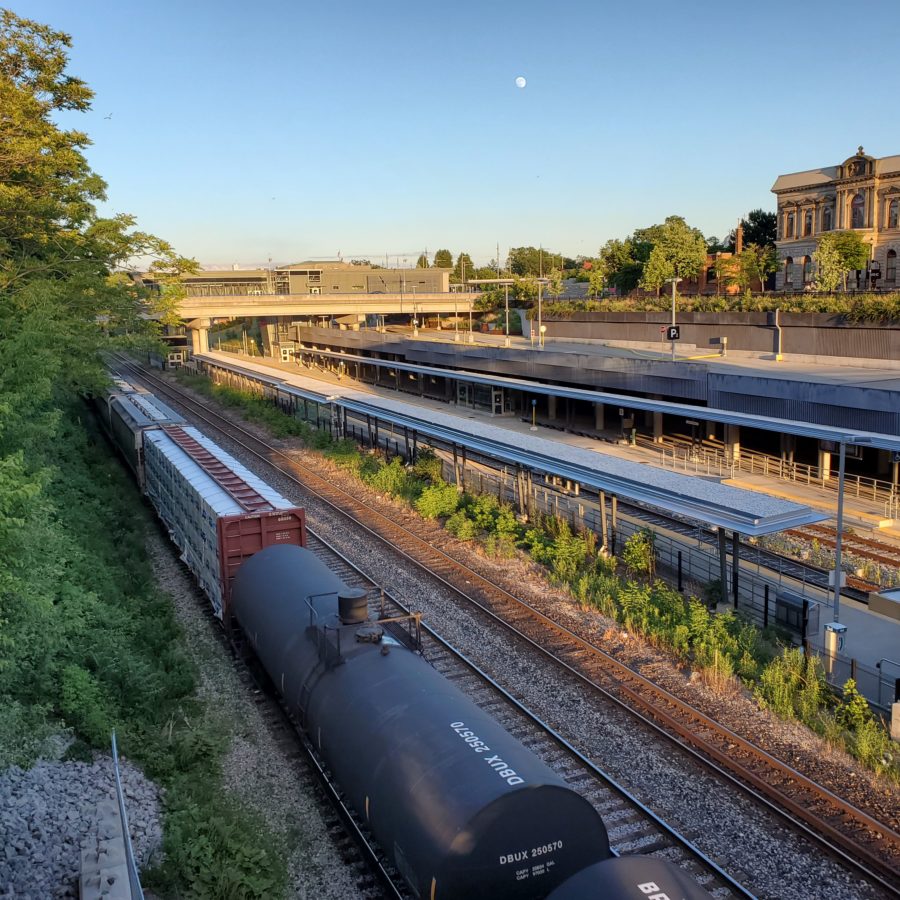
x: 520, y: 82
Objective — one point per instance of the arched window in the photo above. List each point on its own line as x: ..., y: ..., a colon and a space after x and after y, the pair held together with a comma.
x: 894, y: 214
x: 857, y: 210
x: 807, y: 223
x: 890, y: 275
x: 789, y: 272
x: 789, y: 226
x: 827, y: 215
x: 807, y: 270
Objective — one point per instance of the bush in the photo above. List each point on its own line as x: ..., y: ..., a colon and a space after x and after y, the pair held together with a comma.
x: 438, y: 501
x: 461, y: 526
x: 638, y: 554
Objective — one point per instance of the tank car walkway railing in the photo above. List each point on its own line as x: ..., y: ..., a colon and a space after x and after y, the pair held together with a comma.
x: 243, y: 494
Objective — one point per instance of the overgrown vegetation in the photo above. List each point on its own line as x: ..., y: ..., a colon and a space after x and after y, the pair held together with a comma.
x: 722, y: 647
x: 87, y: 643
x: 849, y: 307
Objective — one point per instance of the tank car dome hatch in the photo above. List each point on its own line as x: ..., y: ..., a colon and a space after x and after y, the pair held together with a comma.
x: 353, y: 605
x: 370, y: 633
x: 631, y: 878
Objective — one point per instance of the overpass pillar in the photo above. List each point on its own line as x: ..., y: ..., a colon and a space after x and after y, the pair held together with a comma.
x: 199, y: 329
x: 599, y: 416
x: 733, y: 442
x: 551, y: 408
x: 657, y: 427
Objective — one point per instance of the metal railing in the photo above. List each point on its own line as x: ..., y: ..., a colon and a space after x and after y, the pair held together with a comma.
x: 134, y: 881
x: 705, y: 460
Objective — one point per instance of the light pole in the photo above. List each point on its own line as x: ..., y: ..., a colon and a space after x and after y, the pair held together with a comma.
x: 842, y: 455
x: 506, y: 288
x: 533, y: 414
x: 540, y: 316
x: 674, y: 282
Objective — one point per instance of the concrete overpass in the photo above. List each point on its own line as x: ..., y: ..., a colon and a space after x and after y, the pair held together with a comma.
x: 199, y: 312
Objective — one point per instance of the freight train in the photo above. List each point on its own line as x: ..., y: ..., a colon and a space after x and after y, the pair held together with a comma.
x: 460, y: 808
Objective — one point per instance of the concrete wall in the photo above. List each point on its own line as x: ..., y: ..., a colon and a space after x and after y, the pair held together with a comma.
x: 810, y: 334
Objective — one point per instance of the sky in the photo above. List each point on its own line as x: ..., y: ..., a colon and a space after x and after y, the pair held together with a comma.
x: 243, y: 132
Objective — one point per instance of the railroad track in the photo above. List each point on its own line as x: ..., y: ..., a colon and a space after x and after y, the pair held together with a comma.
x: 632, y: 827
x: 775, y: 562
x: 864, y: 844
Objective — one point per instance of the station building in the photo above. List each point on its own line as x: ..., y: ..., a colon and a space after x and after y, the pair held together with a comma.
x: 314, y: 278
x: 862, y: 194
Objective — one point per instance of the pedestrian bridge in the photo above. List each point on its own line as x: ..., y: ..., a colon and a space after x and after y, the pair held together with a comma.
x: 199, y: 312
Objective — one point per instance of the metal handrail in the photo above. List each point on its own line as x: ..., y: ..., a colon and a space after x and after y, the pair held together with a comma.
x: 716, y: 462
x: 134, y: 881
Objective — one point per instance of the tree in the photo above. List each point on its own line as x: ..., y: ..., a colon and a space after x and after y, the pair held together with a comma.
x: 443, y: 259
x: 620, y: 268
x: 555, y: 285
x: 537, y: 261
x: 596, y: 280
x: 837, y: 254
x: 755, y: 263
x: 760, y: 228
x: 679, y: 252
x: 422, y: 261
x: 463, y: 270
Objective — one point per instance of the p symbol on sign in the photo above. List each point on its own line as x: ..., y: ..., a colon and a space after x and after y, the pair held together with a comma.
x: 673, y: 333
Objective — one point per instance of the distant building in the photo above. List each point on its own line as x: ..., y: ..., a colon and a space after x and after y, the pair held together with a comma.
x: 317, y: 278
x: 863, y: 194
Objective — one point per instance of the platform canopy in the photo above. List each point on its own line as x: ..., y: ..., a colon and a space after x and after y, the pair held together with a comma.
x: 696, y: 499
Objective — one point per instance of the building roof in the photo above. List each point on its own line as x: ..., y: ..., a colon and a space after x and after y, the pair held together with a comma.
x: 809, y: 178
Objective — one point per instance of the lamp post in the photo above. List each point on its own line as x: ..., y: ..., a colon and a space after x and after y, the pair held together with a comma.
x: 506, y: 288
x: 533, y: 414
x: 674, y: 282
x: 540, y: 316
x: 842, y: 454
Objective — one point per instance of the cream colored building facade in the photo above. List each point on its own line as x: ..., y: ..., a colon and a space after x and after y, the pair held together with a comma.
x: 862, y: 194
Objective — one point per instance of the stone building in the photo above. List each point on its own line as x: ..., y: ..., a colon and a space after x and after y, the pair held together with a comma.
x: 863, y: 194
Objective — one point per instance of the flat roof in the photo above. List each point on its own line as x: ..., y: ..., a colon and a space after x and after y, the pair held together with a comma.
x: 708, y: 413
x: 700, y: 500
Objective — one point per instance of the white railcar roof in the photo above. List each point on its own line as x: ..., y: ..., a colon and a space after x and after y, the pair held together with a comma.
x: 218, y: 499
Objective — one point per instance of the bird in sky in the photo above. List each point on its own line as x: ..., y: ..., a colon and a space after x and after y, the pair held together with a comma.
x: 108, y: 117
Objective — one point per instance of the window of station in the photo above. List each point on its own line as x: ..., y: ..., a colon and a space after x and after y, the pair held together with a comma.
x: 789, y: 272
x: 807, y: 223
x: 789, y: 226
x: 890, y: 275
x: 857, y: 211
x: 894, y: 214
x: 807, y: 270
x: 827, y: 215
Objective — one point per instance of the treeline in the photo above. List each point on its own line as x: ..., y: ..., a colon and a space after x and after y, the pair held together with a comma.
x: 87, y: 642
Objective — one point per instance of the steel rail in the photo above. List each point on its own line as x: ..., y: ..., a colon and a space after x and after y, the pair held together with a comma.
x: 684, y: 843
x: 873, y: 868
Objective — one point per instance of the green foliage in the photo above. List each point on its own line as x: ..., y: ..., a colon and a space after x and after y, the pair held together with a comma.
x: 760, y: 228
x: 536, y: 261
x: 443, y: 259
x: 422, y: 261
x: 461, y: 526
x: 678, y: 252
x: 429, y: 466
x: 853, y: 710
x: 837, y: 254
x: 438, y: 501
x: 638, y: 554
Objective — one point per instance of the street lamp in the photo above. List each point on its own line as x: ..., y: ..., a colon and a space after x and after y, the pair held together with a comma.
x: 506, y: 290
x: 533, y: 414
x: 842, y: 453
x: 540, y: 315
x: 674, y: 282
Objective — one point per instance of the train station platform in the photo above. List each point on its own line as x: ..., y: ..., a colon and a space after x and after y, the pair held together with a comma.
x: 871, y: 636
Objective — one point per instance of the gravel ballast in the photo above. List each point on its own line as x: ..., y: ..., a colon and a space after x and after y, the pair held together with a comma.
x: 768, y: 856
x: 49, y: 812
